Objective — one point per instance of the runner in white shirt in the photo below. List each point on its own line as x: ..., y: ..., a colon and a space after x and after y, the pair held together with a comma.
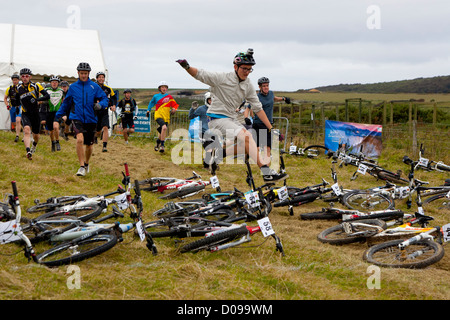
x: 230, y: 92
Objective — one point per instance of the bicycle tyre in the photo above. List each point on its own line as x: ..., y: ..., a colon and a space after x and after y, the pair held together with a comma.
x: 53, y: 203
x: 385, y: 216
x: 336, y: 235
x: 168, y: 228
x: 183, y: 192
x: 387, y: 254
x: 439, y: 201
x: 298, y: 200
x: 320, y: 215
x: 316, y: 151
x: 442, y: 166
x: 153, y: 184
x: 84, y: 213
x: 391, y: 177
x: 61, y: 255
x: 219, y: 238
x: 358, y: 200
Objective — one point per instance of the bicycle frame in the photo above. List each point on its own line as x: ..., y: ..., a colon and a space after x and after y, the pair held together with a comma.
x: 29, y: 250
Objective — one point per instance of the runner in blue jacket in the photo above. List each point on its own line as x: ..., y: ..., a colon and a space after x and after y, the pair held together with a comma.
x: 84, y: 99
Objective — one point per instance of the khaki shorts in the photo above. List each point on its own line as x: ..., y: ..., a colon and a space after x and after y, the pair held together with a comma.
x: 229, y: 128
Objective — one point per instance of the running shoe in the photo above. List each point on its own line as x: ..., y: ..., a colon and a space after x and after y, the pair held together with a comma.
x: 81, y: 171
x: 29, y: 155
x: 271, y: 175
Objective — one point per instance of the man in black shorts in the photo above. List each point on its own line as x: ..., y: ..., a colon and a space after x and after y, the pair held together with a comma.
x: 80, y: 100
x: 128, y: 113
x: 30, y: 94
x: 103, y: 124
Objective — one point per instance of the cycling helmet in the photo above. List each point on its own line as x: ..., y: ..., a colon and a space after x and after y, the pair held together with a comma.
x: 101, y: 73
x: 263, y: 80
x: 84, y: 66
x: 64, y: 83
x: 15, y: 76
x: 25, y: 71
x: 244, y: 58
x: 55, y: 78
x: 127, y: 90
x: 207, y: 96
x: 163, y: 83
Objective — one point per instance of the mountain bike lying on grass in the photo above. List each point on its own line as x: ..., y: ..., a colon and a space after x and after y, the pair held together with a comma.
x: 357, y: 227
x: 370, y: 166
x: 181, y: 188
x: 78, y: 240
x: 236, y: 234
x: 312, y: 152
x: 420, y: 251
x: 427, y: 164
x: 91, y: 239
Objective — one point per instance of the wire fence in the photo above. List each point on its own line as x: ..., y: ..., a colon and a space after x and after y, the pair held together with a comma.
x: 406, y: 123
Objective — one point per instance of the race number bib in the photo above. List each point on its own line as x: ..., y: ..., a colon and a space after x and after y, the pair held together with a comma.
x: 214, y: 182
x: 266, y: 227
x: 121, y: 201
x: 252, y: 199
x: 283, y: 193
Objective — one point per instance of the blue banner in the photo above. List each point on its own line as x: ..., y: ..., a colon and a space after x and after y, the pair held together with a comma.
x: 195, y: 129
x: 142, y: 123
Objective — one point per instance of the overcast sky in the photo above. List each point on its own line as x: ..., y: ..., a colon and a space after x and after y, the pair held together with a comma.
x: 298, y: 44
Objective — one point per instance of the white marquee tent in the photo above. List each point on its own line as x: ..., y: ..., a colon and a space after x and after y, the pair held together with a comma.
x: 46, y: 51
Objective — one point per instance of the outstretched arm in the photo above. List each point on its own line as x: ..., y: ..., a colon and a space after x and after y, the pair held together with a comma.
x: 185, y: 65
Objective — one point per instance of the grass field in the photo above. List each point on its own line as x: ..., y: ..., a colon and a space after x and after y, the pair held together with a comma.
x: 309, y: 271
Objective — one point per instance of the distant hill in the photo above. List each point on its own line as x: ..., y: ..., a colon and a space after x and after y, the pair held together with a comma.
x: 440, y: 84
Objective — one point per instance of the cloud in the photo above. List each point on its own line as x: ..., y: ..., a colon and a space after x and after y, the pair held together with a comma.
x: 298, y: 44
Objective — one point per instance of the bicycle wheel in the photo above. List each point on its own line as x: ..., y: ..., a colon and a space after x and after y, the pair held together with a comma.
x: 183, y: 192
x: 321, y: 215
x: 53, y: 203
x: 367, y: 200
x: 391, y: 177
x: 439, y: 202
x: 348, y: 232
x: 84, y: 213
x: 417, y: 255
x: 208, y: 243
x: 316, y: 151
x: 74, y: 251
x: 152, y: 184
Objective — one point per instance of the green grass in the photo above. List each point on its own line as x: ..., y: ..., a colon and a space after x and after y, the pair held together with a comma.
x: 310, y: 270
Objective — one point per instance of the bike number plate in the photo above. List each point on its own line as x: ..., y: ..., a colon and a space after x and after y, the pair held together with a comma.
x: 121, y: 201
x: 362, y: 168
x: 140, y: 230
x: 292, y: 149
x: 214, y: 182
x: 423, y: 162
x: 446, y: 232
x: 283, y: 193
x: 266, y: 227
x: 8, y: 231
x: 448, y: 195
x: 252, y: 199
x: 337, y: 191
